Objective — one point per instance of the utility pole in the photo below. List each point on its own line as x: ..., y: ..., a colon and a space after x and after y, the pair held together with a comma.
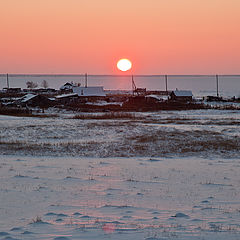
x: 217, y: 85
x: 7, y: 81
x: 166, y: 79
x: 86, y: 80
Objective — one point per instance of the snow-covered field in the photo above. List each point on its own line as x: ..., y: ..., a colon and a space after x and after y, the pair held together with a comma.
x: 165, y: 175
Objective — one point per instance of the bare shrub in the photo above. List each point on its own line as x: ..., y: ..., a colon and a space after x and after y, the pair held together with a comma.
x: 44, y: 84
x: 36, y: 220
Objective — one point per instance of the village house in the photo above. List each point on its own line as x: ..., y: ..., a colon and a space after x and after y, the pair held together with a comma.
x: 34, y: 101
x: 153, y: 98
x: 69, y: 86
x: 89, y: 91
x: 214, y: 99
x: 12, y: 90
x: 181, y: 95
x: 67, y: 98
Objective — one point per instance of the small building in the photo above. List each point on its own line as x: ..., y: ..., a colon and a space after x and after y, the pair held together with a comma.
x: 40, y: 90
x: 67, y: 98
x: 12, y: 90
x: 214, y: 99
x: 67, y: 86
x: 181, y: 95
x: 153, y: 98
x: 89, y: 91
x: 34, y: 101
x: 45, y: 90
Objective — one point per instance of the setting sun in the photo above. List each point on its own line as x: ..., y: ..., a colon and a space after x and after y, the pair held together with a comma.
x: 124, y: 65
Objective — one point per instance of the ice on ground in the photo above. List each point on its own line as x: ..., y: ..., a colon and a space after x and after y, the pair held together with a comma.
x: 81, y: 198
x: 164, y: 175
x: 203, y: 133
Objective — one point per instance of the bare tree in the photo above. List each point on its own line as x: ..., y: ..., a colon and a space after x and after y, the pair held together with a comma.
x: 44, y: 84
x: 31, y: 84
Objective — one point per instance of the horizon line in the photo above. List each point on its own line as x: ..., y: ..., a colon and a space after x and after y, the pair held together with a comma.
x: 113, y: 75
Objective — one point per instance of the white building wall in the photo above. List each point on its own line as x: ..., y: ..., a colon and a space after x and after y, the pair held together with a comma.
x: 89, y: 91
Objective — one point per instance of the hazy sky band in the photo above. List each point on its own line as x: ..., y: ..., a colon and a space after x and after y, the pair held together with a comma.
x: 158, y: 36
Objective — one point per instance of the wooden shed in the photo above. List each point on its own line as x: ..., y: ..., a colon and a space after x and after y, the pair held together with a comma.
x: 181, y: 95
x: 35, y: 101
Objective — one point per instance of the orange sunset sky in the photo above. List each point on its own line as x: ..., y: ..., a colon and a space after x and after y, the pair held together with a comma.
x: 158, y: 36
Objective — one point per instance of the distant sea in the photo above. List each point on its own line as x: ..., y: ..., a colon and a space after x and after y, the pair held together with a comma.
x: 200, y: 85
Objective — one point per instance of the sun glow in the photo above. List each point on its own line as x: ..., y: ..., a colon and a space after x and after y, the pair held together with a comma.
x: 124, y: 65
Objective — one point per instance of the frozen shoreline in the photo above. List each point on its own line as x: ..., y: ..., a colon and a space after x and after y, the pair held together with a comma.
x: 200, y: 85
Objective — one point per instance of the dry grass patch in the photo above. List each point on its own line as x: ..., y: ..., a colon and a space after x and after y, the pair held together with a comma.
x: 111, y: 115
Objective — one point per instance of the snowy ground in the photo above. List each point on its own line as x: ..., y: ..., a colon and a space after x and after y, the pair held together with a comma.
x: 165, y: 134
x: 169, y: 175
